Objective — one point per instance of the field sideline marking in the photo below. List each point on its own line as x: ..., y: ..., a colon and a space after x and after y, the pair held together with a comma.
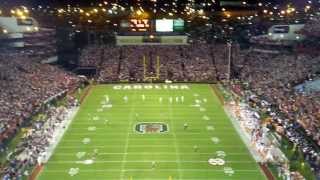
x: 252, y: 152
x: 242, y: 135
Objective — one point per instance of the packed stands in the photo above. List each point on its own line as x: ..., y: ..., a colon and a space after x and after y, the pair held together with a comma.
x: 37, y: 140
x: 176, y: 63
x: 26, y: 85
x: 268, y: 81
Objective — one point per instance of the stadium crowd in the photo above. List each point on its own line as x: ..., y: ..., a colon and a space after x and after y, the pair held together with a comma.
x: 268, y: 81
x: 26, y: 85
x: 36, y: 141
x: 177, y: 63
x: 41, y: 44
x: 269, y: 78
x: 311, y: 28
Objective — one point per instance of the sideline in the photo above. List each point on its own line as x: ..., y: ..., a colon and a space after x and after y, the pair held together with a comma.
x: 86, y: 93
x: 59, y: 134
x: 244, y: 136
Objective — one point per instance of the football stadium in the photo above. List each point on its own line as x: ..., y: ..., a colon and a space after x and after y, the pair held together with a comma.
x: 160, y: 90
x: 166, y: 133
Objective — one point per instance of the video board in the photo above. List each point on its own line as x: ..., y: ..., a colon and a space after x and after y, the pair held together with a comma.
x: 169, y: 25
x: 136, y: 25
x: 152, y: 26
x: 164, y: 25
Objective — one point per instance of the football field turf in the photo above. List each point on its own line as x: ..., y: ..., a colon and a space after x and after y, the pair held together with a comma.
x: 150, y: 132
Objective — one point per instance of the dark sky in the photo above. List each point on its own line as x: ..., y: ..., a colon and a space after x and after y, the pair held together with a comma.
x: 87, y: 2
x: 57, y: 2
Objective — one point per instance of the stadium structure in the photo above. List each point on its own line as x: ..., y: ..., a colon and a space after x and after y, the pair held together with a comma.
x: 157, y: 97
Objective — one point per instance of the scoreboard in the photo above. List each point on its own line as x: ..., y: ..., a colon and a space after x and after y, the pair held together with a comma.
x: 139, y: 25
x: 146, y: 26
x: 145, y: 31
x: 136, y: 25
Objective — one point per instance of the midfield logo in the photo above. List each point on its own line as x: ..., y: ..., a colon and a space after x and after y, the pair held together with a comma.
x: 151, y: 128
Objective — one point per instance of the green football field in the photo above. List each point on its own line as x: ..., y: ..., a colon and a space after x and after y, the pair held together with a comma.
x: 150, y: 132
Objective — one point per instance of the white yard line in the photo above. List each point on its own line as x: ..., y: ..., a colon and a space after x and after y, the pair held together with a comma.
x: 175, y: 140
x: 158, y: 153
x: 149, y: 170
x: 158, y: 146
x: 146, y: 140
x: 194, y: 123
x: 150, y: 161
x: 85, y: 128
x: 127, y: 139
x: 225, y: 132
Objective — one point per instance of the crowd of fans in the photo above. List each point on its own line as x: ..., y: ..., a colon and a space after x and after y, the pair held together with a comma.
x: 36, y: 141
x: 259, y: 134
x: 177, y: 63
x: 273, y: 77
x: 311, y: 28
x: 270, y: 77
x: 266, y: 79
x: 25, y: 85
x: 269, y: 82
x: 42, y: 43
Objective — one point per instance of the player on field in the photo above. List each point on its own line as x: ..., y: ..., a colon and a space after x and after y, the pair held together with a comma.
x: 95, y: 154
x: 160, y: 99
x: 170, y: 100
x: 185, y: 126
x: 153, y: 164
x: 125, y: 98
x: 195, y: 148
x: 107, y: 98
x: 143, y: 97
x: 182, y: 99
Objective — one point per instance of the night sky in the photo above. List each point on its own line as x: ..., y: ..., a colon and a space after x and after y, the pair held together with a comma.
x: 297, y: 3
x: 80, y: 2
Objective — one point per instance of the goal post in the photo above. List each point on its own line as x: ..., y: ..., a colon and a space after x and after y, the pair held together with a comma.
x: 146, y: 76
